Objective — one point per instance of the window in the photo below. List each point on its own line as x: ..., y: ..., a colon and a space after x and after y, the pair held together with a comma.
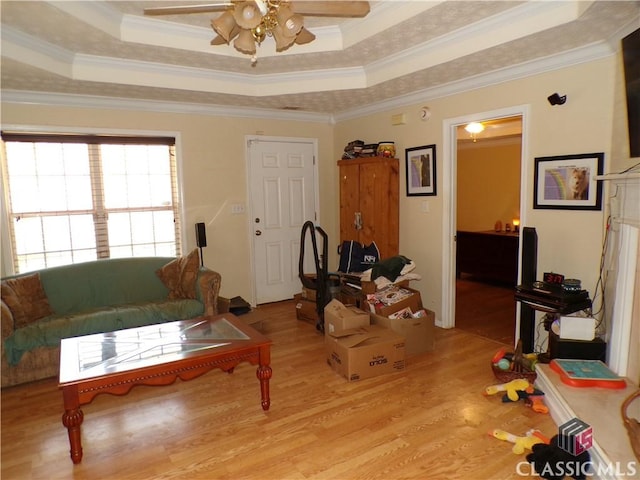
x: 72, y: 199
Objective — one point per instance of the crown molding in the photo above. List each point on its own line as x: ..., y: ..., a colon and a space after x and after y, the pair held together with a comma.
x: 577, y: 56
x: 19, y: 97
x: 557, y: 62
x: 503, y: 27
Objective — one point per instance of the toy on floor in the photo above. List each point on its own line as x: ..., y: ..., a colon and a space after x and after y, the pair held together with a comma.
x: 512, y: 388
x: 520, y: 444
x: 536, y: 403
x: 532, y: 397
x: 549, y: 459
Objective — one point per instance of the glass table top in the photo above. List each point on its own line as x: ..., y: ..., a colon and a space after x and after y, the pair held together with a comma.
x: 150, y: 344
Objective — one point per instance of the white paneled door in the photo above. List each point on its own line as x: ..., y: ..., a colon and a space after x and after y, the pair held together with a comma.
x: 282, y: 192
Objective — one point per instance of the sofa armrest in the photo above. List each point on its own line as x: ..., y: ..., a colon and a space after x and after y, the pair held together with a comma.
x: 209, y: 284
x: 6, y: 320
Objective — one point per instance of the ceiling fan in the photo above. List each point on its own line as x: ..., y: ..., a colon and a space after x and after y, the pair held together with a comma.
x: 249, y: 22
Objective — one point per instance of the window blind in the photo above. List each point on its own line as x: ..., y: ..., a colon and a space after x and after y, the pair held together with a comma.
x: 74, y: 198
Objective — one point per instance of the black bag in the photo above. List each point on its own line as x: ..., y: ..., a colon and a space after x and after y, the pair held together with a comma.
x: 355, y: 257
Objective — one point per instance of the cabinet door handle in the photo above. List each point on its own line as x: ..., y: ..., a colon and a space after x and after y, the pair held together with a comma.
x: 358, y: 221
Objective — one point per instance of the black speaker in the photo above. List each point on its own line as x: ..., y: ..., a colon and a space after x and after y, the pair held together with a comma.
x: 201, y: 235
x: 529, y: 272
x: 529, y: 255
x: 595, y: 349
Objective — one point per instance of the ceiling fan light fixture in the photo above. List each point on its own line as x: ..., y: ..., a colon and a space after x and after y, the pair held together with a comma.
x: 259, y: 33
x: 224, y: 25
x: 282, y: 41
x: 247, y: 15
x: 245, y: 42
x: 290, y: 22
x: 305, y: 36
x: 218, y: 40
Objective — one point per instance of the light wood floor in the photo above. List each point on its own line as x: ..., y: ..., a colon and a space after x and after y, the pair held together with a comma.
x: 428, y: 422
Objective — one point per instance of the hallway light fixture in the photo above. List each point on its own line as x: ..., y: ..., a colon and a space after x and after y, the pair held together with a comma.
x: 474, y: 128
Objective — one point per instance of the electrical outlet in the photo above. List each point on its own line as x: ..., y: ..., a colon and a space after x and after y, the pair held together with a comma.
x: 237, y: 208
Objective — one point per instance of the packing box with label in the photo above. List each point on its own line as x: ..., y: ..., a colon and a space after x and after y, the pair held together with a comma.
x: 365, y: 352
x: 338, y: 316
x: 419, y: 333
x: 392, y: 299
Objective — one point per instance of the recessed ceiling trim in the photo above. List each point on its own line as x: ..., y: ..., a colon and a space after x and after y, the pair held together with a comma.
x: 501, y: 28
x: 525, y: 70
x: 134, y: 72
x: 110, y: 103
x: 576, y: 56
x: 33, y: 51
x: 381, y: 17
x: 96, y: 13
x: 27, y: 49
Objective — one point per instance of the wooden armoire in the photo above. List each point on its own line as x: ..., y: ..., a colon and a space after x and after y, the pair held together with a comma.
x: 369, y: 202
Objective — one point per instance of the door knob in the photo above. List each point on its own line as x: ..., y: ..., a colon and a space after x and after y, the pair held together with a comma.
x: 258, y: 233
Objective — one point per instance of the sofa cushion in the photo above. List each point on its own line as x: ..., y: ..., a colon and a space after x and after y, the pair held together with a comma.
x: 180, y: 275
x: 26, y: 299
x: 49, y: 331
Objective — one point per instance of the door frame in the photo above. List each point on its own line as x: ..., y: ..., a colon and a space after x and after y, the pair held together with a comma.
x: 250, y: 214
x: 449, y: 200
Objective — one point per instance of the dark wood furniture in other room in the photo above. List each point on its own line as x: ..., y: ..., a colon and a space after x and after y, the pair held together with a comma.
x: 488, y: 255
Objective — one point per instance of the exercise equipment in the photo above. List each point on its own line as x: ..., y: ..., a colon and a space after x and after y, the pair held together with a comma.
x: 322, y: 280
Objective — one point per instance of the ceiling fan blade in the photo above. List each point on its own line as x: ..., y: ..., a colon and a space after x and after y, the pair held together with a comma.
x: 331, y: 8
x: 181, y: 9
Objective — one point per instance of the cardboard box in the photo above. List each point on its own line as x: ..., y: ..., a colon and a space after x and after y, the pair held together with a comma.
x: 338, y: 316
x: 308, y: 294
x: 305, y: 309
x: 369, y: 286
x: 419, y: 333
x: 365, y: 352
x: 413, y: 301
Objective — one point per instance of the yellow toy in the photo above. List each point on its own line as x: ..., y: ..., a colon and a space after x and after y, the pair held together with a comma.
x: 520, y: 444
x: 511, y: 388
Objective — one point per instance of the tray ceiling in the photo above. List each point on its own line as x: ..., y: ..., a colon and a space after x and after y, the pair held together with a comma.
x: 110, y: 49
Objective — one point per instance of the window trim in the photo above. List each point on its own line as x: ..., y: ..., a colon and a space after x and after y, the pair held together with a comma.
x: 6, y: 258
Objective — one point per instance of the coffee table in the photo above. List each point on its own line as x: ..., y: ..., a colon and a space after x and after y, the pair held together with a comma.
x: 115, y: 362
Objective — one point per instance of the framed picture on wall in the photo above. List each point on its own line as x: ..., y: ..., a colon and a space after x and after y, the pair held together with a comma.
x: 568, y: 182
x: 421, y: 170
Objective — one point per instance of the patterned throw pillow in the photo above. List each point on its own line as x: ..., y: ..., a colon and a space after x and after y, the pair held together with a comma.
x: 180, y: 275
x: 26, y: 299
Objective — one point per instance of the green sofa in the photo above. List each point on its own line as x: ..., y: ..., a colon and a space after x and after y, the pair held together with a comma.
x: 94, y: 297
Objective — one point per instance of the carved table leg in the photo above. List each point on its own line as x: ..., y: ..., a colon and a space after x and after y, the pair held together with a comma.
x: 264, y: 374
x: 72, y: 419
